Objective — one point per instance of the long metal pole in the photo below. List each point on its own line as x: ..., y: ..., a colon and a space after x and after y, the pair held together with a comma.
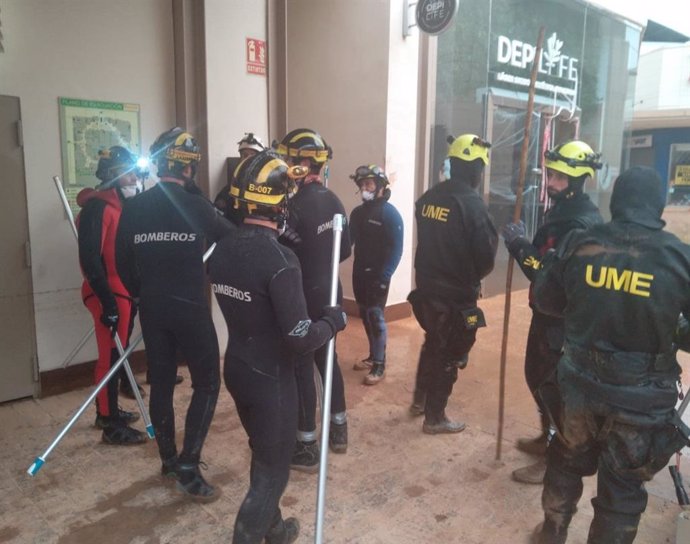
x: 328, y: 383
x: 41, y: 459
x: 78, y: 347
x: 516, y: 217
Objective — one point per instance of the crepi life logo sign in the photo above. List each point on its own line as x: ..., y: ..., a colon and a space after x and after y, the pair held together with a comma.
x: 552, y: 61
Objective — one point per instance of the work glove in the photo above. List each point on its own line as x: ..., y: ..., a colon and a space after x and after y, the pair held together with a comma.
x: 110, y: 318
x: 290, y: 237
x: 335, y: 317
x: 513, y: 231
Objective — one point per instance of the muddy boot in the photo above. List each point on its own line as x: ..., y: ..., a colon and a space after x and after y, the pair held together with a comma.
x: 122, y: 416
x: 192, y: 483
x: 284, y: 532
x: 126, y: 390
x: 534, y: 446
x: 168, y: 469
x: 376, y: 374
x: 119, y: 434
x: 306, y: 457
x: 444, y: 426
x: 546, y: 533
x: 418, y: 403
x: 531, y: 474
x: 337, y: 437
x: 364, y: 364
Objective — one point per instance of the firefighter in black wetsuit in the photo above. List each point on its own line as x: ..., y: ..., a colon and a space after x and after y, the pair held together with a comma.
x: 310, y: 235
x: 620, y: 288
x: 376, y: 230
x: 568, y: 166
x: 247, y: 147
x: 258, y: 286
x: 160, y: 247
x: 103, y: 292
x: 456, y: 247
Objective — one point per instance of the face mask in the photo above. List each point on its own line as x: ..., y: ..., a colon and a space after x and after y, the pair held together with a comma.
x: 445, y: 171
x: 368, y: 196
x: 128, y: 191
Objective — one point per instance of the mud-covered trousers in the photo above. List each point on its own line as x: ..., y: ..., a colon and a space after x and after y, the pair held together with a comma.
x: 623, y: 455
x: 317, y: 294
x: 371, y: 299
x: 168, y: 324
x: 267, y: 406
x: 544, y: 349
x: 446, y: 348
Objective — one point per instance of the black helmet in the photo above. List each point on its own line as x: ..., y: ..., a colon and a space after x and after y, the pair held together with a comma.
x: 304, y: 143
x: 262, y: 185
x: 371, y: 171
x: 173, y: 150
x: 113, y: 163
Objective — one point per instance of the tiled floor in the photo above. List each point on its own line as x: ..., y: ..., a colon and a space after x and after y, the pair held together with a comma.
x: 395, y: 484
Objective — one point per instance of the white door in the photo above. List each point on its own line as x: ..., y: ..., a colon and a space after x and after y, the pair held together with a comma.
x: 18, y: 370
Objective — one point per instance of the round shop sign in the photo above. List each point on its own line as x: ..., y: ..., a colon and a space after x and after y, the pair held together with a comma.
x: 434, y: 16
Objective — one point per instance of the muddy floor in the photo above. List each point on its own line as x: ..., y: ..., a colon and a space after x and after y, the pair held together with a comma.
x: 394, y: 485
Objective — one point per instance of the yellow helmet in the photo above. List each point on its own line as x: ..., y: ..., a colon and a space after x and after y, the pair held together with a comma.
x: 469, y: 147
x: 305, y: 143
x: 574, y: 159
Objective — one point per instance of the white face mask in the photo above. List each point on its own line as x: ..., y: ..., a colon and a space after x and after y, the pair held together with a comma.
x: 445, y: 171
x: 128, y: 191
x: 368, y: 196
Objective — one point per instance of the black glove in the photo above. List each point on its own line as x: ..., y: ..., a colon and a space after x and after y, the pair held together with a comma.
x: 513, y: 231
x: 335, y: 317
x: 290, y: 237
x: 110, y: 318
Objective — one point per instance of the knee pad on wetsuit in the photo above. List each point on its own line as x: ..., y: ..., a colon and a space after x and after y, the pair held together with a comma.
x: 376, y: 320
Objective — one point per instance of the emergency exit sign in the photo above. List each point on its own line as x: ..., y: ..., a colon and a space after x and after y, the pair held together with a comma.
x: 256, y: 56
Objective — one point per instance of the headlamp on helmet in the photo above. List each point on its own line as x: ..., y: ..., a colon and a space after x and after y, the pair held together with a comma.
x: 574, y: 159
x: 469, y: 147
x: 173, y: 151
x: 113, y: 163
x: 304, y: 143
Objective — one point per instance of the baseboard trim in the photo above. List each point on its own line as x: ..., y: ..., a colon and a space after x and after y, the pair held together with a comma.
x: 401, y: 310
x: 62, y: 380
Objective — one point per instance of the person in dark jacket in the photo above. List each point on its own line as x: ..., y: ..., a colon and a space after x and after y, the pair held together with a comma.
x: 160, y: 248
x: 376, y: 231
x: 620, y: 288
x: 258, y: 285
x: 103, y: 292
x: 568, y: 167
x: 456, y: 248
x: 309, y: 234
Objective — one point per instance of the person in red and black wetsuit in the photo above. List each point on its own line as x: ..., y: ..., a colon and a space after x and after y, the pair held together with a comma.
x: 102, y: 291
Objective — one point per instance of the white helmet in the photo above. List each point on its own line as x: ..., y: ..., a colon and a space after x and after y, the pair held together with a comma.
x: 251, y: 142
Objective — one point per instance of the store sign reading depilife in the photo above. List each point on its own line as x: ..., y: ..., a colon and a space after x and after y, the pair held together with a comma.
x: 552, y: 63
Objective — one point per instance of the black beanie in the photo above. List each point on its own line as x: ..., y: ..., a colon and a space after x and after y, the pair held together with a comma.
x: 638, y: 197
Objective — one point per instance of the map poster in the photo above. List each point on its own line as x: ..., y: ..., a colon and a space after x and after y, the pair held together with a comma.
x: 86, y: 126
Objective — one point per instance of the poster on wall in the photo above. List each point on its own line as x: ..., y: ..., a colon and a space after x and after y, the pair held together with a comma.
x: 86, y: 126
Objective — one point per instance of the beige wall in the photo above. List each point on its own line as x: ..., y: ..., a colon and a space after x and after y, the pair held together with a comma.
x: 91, y: 49
x: 237, y: 101
x: 352, y: 77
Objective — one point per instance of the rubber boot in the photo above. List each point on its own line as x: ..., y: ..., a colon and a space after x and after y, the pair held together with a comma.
x: 284, y: 532
x: 546, y: 533
x: 612, y: 528
x: 337, y: 437
x: 192, y: 483
x: 531, y: 474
